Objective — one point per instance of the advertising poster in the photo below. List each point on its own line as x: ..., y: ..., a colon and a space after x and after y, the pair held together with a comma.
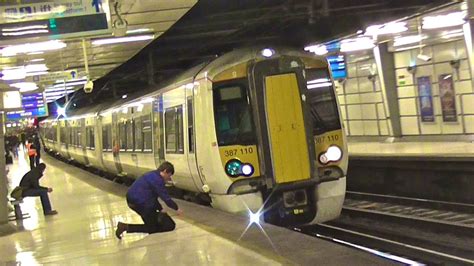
x: 447, y: 97
x: 426, y: 99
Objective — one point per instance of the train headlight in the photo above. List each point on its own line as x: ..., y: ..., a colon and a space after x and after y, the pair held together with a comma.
x: 333, y: 154
x: 247, y: 169
x: 235, y: 168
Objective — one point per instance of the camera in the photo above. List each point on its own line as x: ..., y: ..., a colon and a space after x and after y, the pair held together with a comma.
x: 456, y: 63
x: 424, y: 57
x: 120, y: 28
x: 89, y: 86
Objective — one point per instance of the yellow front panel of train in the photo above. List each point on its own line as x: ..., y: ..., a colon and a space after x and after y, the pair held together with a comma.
x: 287, y: 132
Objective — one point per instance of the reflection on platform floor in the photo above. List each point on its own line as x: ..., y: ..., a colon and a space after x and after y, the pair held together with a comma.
x: 83, y: 231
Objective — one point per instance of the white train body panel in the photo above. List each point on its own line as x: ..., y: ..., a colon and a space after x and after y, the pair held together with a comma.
x: 181, y: 121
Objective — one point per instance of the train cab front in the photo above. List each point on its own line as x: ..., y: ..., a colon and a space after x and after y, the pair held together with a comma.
x: 296, y: 107
x: 267, y: 123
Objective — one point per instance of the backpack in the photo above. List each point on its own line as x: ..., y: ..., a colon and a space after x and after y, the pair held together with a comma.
x: 17, y: 193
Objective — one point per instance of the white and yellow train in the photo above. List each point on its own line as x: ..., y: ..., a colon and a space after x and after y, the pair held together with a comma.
x: 255, y: 129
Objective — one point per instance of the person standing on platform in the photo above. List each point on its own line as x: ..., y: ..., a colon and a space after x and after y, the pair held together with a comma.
x: 37, y: 144
x: 31, y: 153
x: 31, y: 188
x: 142, y: 197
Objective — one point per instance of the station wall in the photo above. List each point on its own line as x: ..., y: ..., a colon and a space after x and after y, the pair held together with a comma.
x: 362, y: 104
x: 446, y: 112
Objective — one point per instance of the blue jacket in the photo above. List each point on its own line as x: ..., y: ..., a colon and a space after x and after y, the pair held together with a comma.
x: 146, y: 190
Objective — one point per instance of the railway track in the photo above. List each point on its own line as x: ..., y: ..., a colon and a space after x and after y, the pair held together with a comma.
x: 432, y: 232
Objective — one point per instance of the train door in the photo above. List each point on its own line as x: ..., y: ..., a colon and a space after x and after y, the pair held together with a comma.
x: 278, y: 92
x: 116, y: 143
x: 84, y: 140
x: 192, y: 161
x: 158, y: 138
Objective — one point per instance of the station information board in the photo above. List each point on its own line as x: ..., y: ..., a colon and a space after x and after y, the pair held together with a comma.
x: 33, y: 105
x: 60, y: 18
x: 337, y: 64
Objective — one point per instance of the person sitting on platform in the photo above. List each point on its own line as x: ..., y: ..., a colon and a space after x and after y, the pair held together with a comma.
x: 31, y: 188
x: 142, y: 197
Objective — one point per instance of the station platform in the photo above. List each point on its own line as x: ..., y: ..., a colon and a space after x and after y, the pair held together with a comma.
x: 89, y: 208
x: 459, y: 150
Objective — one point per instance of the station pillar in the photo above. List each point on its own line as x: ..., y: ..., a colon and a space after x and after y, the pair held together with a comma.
x: 3, y: 176
x: 386, y: 66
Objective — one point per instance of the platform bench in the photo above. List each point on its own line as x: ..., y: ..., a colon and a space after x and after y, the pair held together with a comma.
x: 16, y: 205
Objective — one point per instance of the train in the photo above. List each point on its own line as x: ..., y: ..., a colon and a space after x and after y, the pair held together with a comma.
x: 257, y: 130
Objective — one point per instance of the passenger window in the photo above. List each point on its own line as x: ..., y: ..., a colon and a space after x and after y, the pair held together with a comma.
x: 190, y: 125
x: 138, y: 134
x: 106, y: 137
x: 130, y: 135
x: 90, y: 142
x: 147, y: 133
x: 174, y: 130
x: 123, y: 135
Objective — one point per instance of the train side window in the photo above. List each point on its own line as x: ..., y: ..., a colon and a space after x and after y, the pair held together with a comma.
x: 190, y: 125
x: 90, y: 142
x: 63, y: 135
x: 106, y: 138
x: 138, y: 143
x: 147, y: 133
x: 123, y: 135
x: 174, y: 130
x: 130, y: 135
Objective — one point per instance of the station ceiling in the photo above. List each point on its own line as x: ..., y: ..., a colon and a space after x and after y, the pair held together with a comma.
x: 213, y: 27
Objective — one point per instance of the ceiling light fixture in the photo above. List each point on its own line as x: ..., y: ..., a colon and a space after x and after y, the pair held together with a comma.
x: 389, y: 28
x: 320, y: 49
x: 32, y: 27
x: 24, y: 32
x: 357, y: 44
x: 442, y: 21
x: 143, y: 30
x: 123, y: 39
x: 408, y: 40
x: 32, y: 48
x: 25, y: 86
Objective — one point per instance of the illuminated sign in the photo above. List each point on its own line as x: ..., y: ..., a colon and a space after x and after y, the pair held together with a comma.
x: 33, y: 106
x: 338, y: 66
x: 67, y: 18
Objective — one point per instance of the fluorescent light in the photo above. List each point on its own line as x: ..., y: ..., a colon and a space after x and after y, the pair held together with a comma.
x: 32, y: 27
x: 389, y: 28
x: 32, y: 48
x: 320, y: 85
x: 13, y: 74
x: 442, y: 21
x: 408, y: 40
x: 50, y: 90
x: 25, y: 86
x: 58, y: 93
x: 143, y: 30
x: 70, y: 84
x: 24, y: 32
x: 321, y: 80
x: 35, y: 68
x: 39, y: 73
x: 35, y: 53
x: 37, y: 60
x: 123, y: 39
x: 357, y: 44
x: 452, y: 34
x: 317, y: 49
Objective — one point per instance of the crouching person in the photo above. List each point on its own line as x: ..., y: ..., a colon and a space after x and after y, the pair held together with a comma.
x: 31, y: 188
x: 142, y: 197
